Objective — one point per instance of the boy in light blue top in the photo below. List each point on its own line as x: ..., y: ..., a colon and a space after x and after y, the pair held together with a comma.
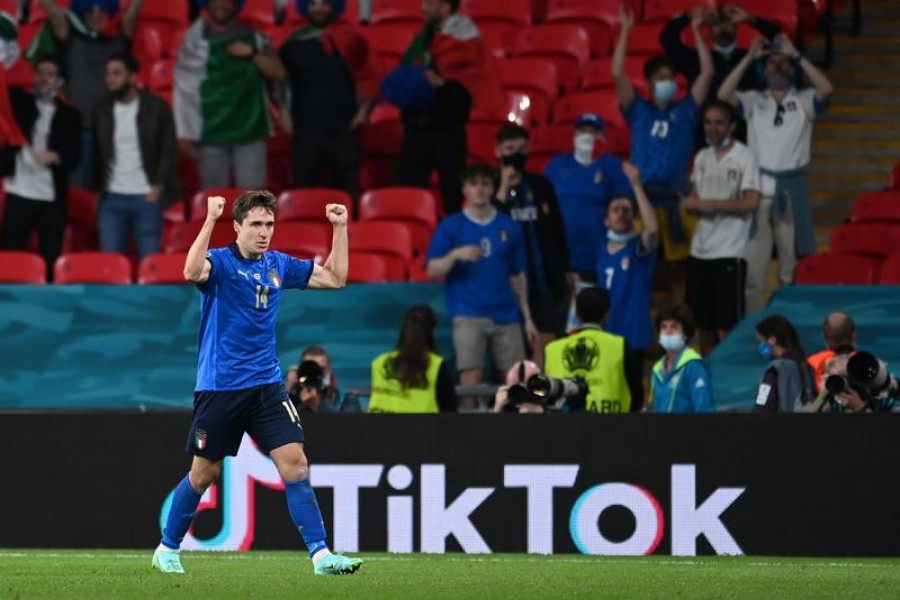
x: 680, y: 380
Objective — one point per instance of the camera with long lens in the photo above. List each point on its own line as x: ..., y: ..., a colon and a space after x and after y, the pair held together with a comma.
x: 568, y: 394
x: 868, y: 376
x: 310, y: 376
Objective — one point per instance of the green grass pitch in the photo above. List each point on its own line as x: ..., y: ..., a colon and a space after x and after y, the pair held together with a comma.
x: 127, y: 574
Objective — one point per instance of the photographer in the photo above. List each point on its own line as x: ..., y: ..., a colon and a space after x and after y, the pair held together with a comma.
x: 859, y: 383
x: 839, y: 335
x: 527, y: 390
x: 517, y: 377
x: 311, y: 385
x: 597, y: 356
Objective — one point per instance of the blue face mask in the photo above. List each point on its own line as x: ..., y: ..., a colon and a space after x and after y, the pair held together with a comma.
x: 765, y: 350
x: 663, y: 91
x: 671, y: 342
x: 622, y: 238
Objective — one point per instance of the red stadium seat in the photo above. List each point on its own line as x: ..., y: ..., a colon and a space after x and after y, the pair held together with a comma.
x: 37, y: 14
x: 514, y: 12
x: 644, y: 39
x: 383, y: 134
x: 22, y: 267
x: 303, y: 240
x: 390, y: 41
x: 498, y: 37
x: 599, y: 18
x: 413, y: 207
x: 869, y: 239
x: 162, y: 269
x: 178, y: 237
x: 199, y: 202
x: 391, y: 240
x: 148, y: 49
x: 92, y: 267
x: 568, y: 46
x: 603, y: 102
x: 397, y: 11
x: 533, y: 76
x: 835, y: 269
x: 366, y: 267
x: 889, y: 272
x: 783, y: 13
x: 663, y: 10
x: 259, y: 14
x: 598, y: 74
x: 482, y: 141
x: 877, y: 206
x: 895, y: 176
x: 173, y: 12
x: 309, y: 204
x: 517, y: 109
x: 278, y: 35
x: 162, y: 75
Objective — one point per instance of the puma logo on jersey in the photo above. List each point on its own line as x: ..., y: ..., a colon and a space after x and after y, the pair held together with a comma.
x: 244, y: 273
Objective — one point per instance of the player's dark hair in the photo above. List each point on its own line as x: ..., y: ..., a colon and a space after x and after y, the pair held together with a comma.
x: 785, y: 334
x: 511, y: 131
x: 476, y: 171
x: 722, y: 106
x: 454, y: 4
x: 126, y: 58
x: 410, y: 364
x: 592, y: 304
x: 314, y: 351
x: 630, y: 199
x: 681, y: 314
x: 655, y: 63
x: 53, y: 60
x: 251, y: 199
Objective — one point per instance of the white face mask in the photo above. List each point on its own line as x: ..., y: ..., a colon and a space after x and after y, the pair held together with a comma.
x: 584, y: 148
x: 620, y: 238
x: 671, y: 342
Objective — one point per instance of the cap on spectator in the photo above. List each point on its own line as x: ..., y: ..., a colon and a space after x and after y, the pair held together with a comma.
x: 337, y: 7
x: 81, y: 7
x: 521, y: 372
x: 592, y: 119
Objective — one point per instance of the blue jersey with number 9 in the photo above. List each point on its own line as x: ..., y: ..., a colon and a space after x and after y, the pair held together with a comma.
x: 238, y: 313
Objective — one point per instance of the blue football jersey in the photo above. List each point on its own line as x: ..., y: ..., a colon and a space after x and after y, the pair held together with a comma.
x: 238, y: 313
x: 628, y: 275
x: 662, y: 140
x: 481, y: 288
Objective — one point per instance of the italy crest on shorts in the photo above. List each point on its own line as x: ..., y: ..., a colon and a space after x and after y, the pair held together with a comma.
x: 274, y: 279
x: 200, y: 439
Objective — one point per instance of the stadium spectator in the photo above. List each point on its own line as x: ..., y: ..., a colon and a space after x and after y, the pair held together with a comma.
x: 625, y: 267
x: 584, y: 186
x: 601, y: 358
x: 725, y: 195
x: 518, y: 375
x: 85, y: 37
x: 662, y: 136
x: 780, y: 122
x: 220, y: 98
x: 839, y: 335
x: 679, y: 381
x: 446, y: 71
x: 413, y: 378
x: 9, y: 40
x: 529, y: 198
x: 481, y: 253
x: 788, y: 384
x: 136, y: 152
x: 312, y: 385
x: 332, y: 77
x: 36, y: 175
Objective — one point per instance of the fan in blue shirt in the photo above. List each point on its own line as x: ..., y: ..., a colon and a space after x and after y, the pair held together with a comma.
x: 239, y: 387
x: 585, y: 186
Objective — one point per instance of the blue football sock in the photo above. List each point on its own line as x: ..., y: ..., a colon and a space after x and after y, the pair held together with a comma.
x: 305, y: 514
x: 181, y: 513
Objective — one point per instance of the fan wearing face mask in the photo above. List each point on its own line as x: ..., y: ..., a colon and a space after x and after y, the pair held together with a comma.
x: 779, y: 123
x: 662, y: 135
x: 585, y: 183
x: 680, y: 381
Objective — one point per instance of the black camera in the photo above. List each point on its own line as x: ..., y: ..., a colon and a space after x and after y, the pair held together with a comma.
x: 866, y: 375
x: 569, y: 394
x: 310, y: 376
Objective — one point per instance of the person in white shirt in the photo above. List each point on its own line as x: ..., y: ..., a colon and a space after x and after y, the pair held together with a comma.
x: 725, y: 195
x: 137, y: 150
x: 779, y: 124
x: 36, y: 176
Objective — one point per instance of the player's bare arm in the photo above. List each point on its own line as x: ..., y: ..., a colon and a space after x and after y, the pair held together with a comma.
x: 333, y: 274
x: 196, y: 267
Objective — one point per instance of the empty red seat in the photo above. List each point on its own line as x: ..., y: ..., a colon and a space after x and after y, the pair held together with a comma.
x: 514, y: 12
x: 303, y: 240
x: 22, y: 267
x: 390, y: 41
x: 599, y: 18
x: 366, y: 267
x: 598, y: 74
x: 391, y: 240
x: 895, y: 176
x: 877, y: 206
x: 413, y: 207
x: 162, y: 269
x: 309, y: 204
x: 644, y: 39
x: 174, y: 12
x: 162, y: 75
x: 383, y: 133
x: 889, y: 271
x: 518, y: 109
x: 663, y: 10
x: 603, y: 102
x: 92, y: 267
x: 498, y: 37
x: 397, y: 11
x: 533, y: 76
x: 835, y: 269
x: 869, y: 239
x: 199, y: 203
x: 178, y: 237
x: 259, y: 14
x: 567, y: 45
x: 482, y: 142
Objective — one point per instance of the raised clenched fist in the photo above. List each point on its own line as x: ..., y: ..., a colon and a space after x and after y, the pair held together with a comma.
x: 336, y: 213
x: 215, y: 206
